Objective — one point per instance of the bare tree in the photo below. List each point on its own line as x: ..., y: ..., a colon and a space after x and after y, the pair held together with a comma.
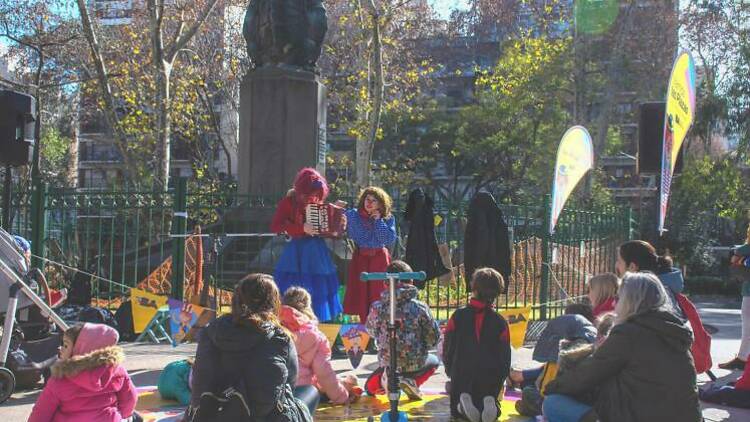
x: 38, y: 38
x: 171, y: 27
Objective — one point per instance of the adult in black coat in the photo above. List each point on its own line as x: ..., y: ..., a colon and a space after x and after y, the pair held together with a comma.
x: 643, y: 372
x: 250, y: 351
x: 486, y: 240
x: 421, y: 246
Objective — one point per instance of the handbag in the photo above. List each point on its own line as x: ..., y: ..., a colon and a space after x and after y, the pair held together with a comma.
x: 291, y: 408
x: 228, y: 405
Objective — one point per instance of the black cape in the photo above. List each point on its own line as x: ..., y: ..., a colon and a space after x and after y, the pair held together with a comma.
x: 486, y: 241
x: 421, y: 247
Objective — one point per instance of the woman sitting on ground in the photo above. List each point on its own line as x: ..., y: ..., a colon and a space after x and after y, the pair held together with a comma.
x: 642, y: 372
x: 250, y: 351
x: 639, y: 255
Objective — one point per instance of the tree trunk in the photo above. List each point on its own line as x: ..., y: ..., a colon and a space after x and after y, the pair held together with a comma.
x: 365, y: 147
x: 163, y: 127
x: 378, y: 86
x: 105, y: 88
x: 72, y: 177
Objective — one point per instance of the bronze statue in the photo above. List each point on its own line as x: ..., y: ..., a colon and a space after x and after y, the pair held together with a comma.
x: 287, y: 33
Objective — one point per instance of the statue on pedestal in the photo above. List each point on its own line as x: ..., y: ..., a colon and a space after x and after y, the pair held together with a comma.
x: 285, y: 33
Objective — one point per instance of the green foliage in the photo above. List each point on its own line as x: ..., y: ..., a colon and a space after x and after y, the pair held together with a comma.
x: 54, y: 155
x: 739, y: 101
x: 709, y: 191
x: 504, y: 142
x: 712, y: 286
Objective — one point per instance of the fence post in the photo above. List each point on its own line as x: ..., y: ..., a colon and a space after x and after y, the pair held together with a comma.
x: 544, y: 286
x: 38, y: 223
x: 179, y: 227
x: 631, y: 224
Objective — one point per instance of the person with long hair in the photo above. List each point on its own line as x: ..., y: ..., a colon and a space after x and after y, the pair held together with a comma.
x: 642, y: 372
x: 313, y: 349
x: 249, y: 350
x: 603, y: 293
x: 305, y: 260
x: 639, y: 255
x: 372, y: 227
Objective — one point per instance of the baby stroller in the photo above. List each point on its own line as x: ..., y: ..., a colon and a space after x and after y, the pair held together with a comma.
x: 20, y: 360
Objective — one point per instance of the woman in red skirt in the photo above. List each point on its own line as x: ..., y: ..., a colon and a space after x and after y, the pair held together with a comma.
x: 372, y: 227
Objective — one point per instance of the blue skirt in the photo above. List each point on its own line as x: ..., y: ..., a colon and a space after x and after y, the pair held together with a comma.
x: 306, y: 262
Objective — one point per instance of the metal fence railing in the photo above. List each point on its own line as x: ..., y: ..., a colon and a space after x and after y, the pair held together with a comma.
x: 123, y: 236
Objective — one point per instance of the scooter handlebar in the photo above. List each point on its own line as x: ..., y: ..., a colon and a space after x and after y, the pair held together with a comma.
x: 420, y: 275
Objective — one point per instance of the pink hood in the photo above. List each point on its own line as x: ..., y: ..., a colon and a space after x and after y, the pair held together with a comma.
x: 314, y: 355
x: 94, y: 337
x: 88, y: 387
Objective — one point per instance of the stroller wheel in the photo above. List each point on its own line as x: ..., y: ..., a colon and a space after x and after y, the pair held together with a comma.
x: 7, y: 384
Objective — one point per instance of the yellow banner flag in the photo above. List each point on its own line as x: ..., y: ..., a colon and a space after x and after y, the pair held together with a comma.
x: 575, y: 156
x: 680, y: 110
x: 518, y: 321
x: 145, y: 305
x: 331, y: 331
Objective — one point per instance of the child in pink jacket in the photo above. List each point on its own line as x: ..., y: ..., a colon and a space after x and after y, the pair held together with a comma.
x: 313, y: 348
x: 88, y: 384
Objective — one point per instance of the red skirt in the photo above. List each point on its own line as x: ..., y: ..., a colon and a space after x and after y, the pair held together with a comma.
x: 361, y: 294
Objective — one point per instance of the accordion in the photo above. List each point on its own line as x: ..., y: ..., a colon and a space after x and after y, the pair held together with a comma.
x: 325, y: 218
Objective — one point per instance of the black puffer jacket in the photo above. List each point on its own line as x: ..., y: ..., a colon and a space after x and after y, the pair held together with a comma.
x: 643, y: 372
x: 264, y: 362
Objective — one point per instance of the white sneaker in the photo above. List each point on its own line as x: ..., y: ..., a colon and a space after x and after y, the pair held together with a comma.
x: 468, y: 409
x: 490, y: 411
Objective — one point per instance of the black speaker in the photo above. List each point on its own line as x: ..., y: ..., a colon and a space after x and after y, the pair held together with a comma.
x: 16, y: 128
x: 650, y: 138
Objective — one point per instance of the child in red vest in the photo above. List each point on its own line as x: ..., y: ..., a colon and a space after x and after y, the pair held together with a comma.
x: 476, y: 352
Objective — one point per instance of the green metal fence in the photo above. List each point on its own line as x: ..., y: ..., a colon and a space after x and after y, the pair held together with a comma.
x: 123, y: 236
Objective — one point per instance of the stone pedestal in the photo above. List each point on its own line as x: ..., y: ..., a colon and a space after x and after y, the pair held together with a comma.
x: 282, y: 128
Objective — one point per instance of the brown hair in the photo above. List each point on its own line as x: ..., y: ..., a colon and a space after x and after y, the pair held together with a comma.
x: 487, y: 284
x: 643, y: 255
x: 299, y: 299
x: 73, y: 332
x: 604, y: 286
x: 380, y: 195
x: 256, y: 302
x: 399, y: 266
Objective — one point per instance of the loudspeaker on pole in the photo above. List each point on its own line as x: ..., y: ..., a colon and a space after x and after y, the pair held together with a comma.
x: 17, y: 116
x: 651, y: 137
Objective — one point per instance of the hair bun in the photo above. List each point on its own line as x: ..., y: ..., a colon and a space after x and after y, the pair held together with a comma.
x: 664, y: 263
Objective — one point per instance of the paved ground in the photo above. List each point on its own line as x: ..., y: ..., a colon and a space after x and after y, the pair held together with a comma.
x: 144, y: 362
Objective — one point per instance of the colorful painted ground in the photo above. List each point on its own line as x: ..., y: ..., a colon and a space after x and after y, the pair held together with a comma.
x: 434, y: 407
